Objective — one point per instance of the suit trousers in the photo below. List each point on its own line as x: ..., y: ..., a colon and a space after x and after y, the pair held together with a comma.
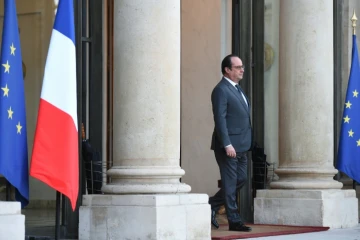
x: 233, y: 173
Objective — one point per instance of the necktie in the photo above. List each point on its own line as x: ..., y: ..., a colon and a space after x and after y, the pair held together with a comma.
x: 238, y: 88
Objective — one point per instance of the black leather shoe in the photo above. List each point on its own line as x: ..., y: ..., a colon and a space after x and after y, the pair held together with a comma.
x: 213, y: 219
x: 240, y: 227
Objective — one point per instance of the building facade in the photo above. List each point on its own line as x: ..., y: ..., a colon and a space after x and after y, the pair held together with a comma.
x: 146, y: 70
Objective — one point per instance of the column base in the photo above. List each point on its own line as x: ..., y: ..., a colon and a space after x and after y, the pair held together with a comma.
x: 328, y: 208
x: 12, y: 222
x: 146, y: 188
x: 175, y: 216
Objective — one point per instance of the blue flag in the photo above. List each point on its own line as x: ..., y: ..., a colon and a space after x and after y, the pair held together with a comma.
x: 349, y: 146
x: 13, y: 141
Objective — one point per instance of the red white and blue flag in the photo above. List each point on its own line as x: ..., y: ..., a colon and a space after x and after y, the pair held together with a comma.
x: 55, y: 159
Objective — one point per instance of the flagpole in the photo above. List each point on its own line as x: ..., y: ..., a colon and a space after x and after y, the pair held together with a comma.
x: 8, y: 190
x: 57, y: 216
x: 353, y: 20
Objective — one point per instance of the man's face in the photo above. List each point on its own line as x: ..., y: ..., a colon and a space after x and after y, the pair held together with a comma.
x: 236, y: 72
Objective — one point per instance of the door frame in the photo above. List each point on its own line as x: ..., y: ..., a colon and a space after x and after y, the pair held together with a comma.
x: 248, y: 44
x: 89, y: 56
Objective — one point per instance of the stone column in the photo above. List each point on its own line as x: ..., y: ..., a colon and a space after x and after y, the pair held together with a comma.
x: 12, y: 222
x: 146, y: 112
x: 145, y: 198
x: 306, y: 193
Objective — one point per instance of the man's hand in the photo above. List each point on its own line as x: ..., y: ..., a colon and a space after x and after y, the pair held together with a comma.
x: 230, y: 151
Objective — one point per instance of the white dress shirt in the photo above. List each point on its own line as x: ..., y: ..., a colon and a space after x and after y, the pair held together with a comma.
x: 234, y: 84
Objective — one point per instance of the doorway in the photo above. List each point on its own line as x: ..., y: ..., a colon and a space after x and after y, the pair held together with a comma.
x: 248, y: 44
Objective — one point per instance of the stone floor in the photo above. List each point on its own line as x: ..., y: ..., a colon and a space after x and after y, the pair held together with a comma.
x: 40, y: 223
x: 332, y: 234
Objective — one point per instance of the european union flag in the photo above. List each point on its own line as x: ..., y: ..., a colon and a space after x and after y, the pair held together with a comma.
x: 13, y: 145
x: 349, y: 146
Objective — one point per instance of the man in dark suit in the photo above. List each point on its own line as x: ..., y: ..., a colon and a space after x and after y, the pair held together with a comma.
x: 231, y: 140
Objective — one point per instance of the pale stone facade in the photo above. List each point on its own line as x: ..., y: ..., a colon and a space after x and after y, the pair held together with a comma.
x: 12, y: 222
x: 306, y: 193
x: 167, y: 58
x: 146, y: 135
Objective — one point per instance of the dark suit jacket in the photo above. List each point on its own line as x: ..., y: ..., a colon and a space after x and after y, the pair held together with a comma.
x: 231, y: 117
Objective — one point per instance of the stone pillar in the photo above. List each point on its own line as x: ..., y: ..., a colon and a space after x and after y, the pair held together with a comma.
x: 145, y: 198
x: 12, y: 222
x: 306, y: 193
x: 146, y: 112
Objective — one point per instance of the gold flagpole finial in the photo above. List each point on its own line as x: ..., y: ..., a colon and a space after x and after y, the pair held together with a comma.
x: 353, y: 20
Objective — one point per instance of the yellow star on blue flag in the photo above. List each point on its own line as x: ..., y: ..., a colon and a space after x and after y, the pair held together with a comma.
x: 348, y: 160
x: 13, y: 141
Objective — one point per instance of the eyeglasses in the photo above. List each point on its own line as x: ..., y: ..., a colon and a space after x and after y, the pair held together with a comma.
x: 239, y: 67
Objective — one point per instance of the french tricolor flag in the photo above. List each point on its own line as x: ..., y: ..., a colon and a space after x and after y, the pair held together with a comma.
x: 55, y: 159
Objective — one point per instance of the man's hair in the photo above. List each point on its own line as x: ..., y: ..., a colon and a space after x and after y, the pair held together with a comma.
x: 226, y: 62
